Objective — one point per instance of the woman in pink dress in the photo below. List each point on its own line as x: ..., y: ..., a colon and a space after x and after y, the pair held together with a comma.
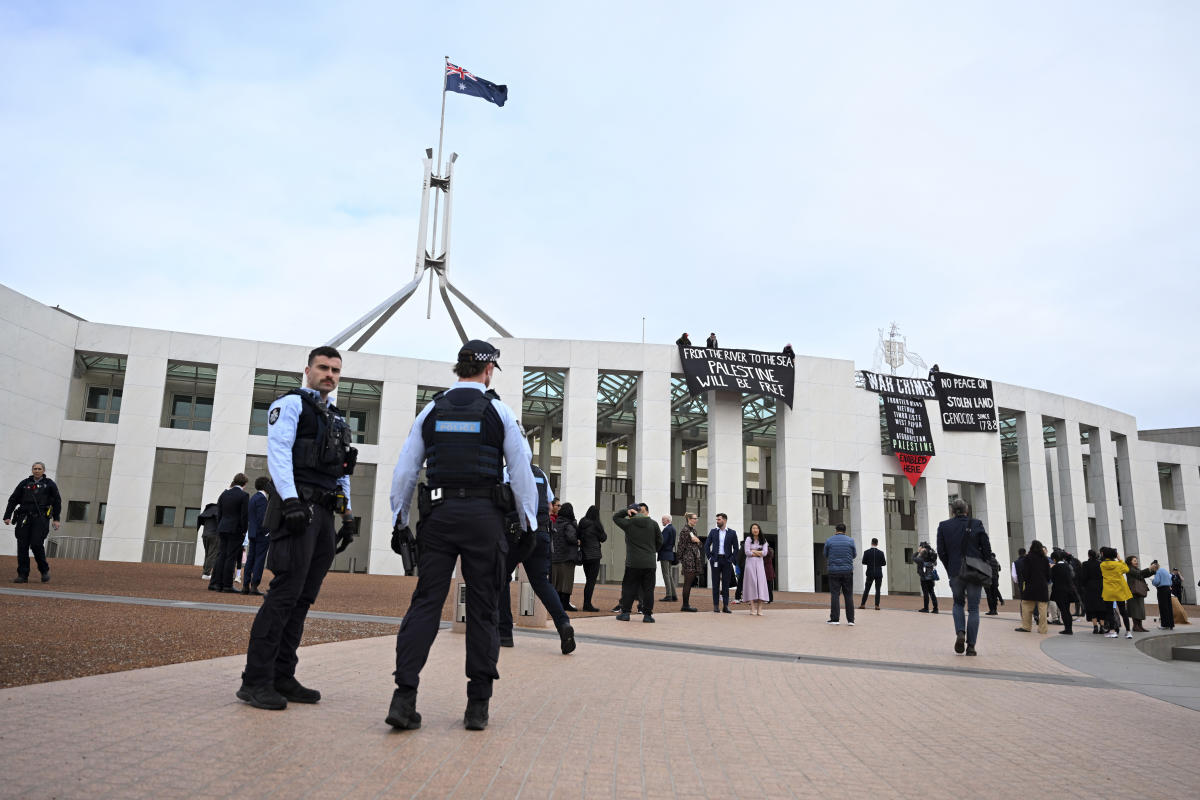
x: 754, y: 577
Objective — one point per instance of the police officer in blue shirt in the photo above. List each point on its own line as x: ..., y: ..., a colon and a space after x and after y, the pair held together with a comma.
x: 310, y: 459
x: 464, y: 437
x: 537, y: 567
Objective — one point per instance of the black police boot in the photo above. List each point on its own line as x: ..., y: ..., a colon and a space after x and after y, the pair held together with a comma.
x: 295, y: 692
x: 623, y: 616
x: 262, y: 697
x: 567, y: 636
x: 476, y: 716
x: 402, y: 714
x: 21, y: 579
x: 46, y: 576
x: 506, y: 641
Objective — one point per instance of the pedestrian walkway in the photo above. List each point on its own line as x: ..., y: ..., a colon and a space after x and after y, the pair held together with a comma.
x: 697, y: 705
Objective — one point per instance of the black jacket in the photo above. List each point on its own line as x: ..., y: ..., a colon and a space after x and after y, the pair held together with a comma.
x: 208, y: 519
x: 1035, y: 579
x: 233, y: 511
x: 35, y: 497
x: 1063, y: 576
x: 874, y: 560
x: 953, y: 542
x: 564, y: 535
x: 592, y: 534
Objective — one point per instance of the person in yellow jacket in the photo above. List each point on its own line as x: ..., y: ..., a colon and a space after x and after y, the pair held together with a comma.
x: 1115, y: 589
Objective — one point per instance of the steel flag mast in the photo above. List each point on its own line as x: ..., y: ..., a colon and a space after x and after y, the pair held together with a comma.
x: 432, y: 256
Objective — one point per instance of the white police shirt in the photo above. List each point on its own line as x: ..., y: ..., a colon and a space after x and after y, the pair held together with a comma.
x: 516, y: 455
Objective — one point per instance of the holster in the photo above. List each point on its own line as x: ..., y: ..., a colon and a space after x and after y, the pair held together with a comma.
x: 504, y: 498
x: 424, y: 501
x: 273, y: 514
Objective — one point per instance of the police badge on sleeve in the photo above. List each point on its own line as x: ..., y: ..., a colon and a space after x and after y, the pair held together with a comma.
x: 274, y: 415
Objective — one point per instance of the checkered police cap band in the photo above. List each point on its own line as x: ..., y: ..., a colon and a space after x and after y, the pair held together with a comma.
x: 479, y: 352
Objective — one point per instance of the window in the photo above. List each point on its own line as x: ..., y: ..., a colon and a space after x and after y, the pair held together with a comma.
x: 100, y: 515
x: 77, y: 510
x: 191, y: 412
x: 164, y: 516
x: 191, y: 518
x: 258, y: 418
x: 189, y: 392
x: 103, y: 404
x: 267, y: 387
x: 358, y: 425
x: 358, y: 401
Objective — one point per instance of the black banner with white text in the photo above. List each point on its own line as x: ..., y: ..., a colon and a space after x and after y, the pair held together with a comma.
x: 908, y: 433
x: 966, y: 403
x: 742, y: 371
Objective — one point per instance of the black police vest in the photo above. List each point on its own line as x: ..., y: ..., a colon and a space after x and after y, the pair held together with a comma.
x: 464, y: 439
x: 322, y: 444
x: 543, y: 484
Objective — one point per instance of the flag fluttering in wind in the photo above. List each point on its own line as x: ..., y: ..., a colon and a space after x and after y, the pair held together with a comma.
x: 463, y: 82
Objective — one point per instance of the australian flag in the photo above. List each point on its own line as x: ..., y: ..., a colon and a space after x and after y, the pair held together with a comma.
x: 463, y: 82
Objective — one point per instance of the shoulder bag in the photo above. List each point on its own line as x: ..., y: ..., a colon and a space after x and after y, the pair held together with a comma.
x: 974, y: 571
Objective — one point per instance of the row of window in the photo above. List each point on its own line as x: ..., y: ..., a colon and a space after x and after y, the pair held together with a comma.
x: 164, y: 516
x: 194, y: 412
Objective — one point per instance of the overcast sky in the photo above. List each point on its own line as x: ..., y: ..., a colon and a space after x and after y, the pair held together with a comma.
x: 1015, y: 184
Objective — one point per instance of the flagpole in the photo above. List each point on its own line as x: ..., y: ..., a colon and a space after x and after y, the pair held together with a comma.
x: 437, y: 166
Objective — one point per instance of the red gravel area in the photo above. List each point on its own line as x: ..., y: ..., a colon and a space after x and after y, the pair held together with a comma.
x: 46, y: 639
x: 49, y: 639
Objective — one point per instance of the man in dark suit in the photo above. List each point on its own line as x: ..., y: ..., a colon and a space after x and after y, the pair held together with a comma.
x: 258, y: 537
x: 666, y: 559
x: 232, y: 519
x: 874, y: 560
x: 957, y: 538
x: 720, y: 548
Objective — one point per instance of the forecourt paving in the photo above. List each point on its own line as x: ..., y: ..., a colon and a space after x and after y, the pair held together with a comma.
x: 697, y: 705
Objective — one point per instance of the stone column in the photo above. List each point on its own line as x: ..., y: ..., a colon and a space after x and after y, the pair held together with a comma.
x: 1186, y: 478
x: 397, y: 410
x: 546, y: 445
x: 793, y: 501
x: 136, y: 445
x: 612, y: 459
x: 866, y: 517
x: 578, y: 481
x: 1129, y: 503
x: 1102, y: 466
x: 676, y: 466
x: 652, y: 479
x: 932, y: 507
x: 1031, y: 468
x: 833, y: 488
x: 726, y: 477
x: 1072, y: 496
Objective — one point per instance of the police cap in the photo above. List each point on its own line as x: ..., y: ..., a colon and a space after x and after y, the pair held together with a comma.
x: 477, y: 351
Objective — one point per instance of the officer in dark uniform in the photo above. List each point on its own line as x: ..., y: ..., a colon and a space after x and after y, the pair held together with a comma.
x: 310, y: 459
x: 37, y: 503
x: 464, y: 437
x: 537, y: 566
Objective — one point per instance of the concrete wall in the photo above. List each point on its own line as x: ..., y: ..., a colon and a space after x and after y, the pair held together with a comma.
x: 833, y: 428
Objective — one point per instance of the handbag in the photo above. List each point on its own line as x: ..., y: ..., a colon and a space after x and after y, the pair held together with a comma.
x: 974, y: 571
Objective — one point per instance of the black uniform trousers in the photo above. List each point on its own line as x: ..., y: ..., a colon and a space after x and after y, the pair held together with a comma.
x: 299, y: 562
x: 228, y: 557
x: 32, y: 529
x: 471, y: 528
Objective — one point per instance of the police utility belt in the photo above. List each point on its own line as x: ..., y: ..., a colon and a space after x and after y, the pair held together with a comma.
x: 429, y: 498
x: 332, y: 499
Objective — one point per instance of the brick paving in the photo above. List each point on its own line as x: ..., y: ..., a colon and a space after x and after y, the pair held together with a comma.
x: 620, y: 721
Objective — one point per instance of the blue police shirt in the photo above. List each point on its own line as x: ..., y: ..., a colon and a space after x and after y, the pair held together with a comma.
x: 516, y: 455
x: 281, y: 435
